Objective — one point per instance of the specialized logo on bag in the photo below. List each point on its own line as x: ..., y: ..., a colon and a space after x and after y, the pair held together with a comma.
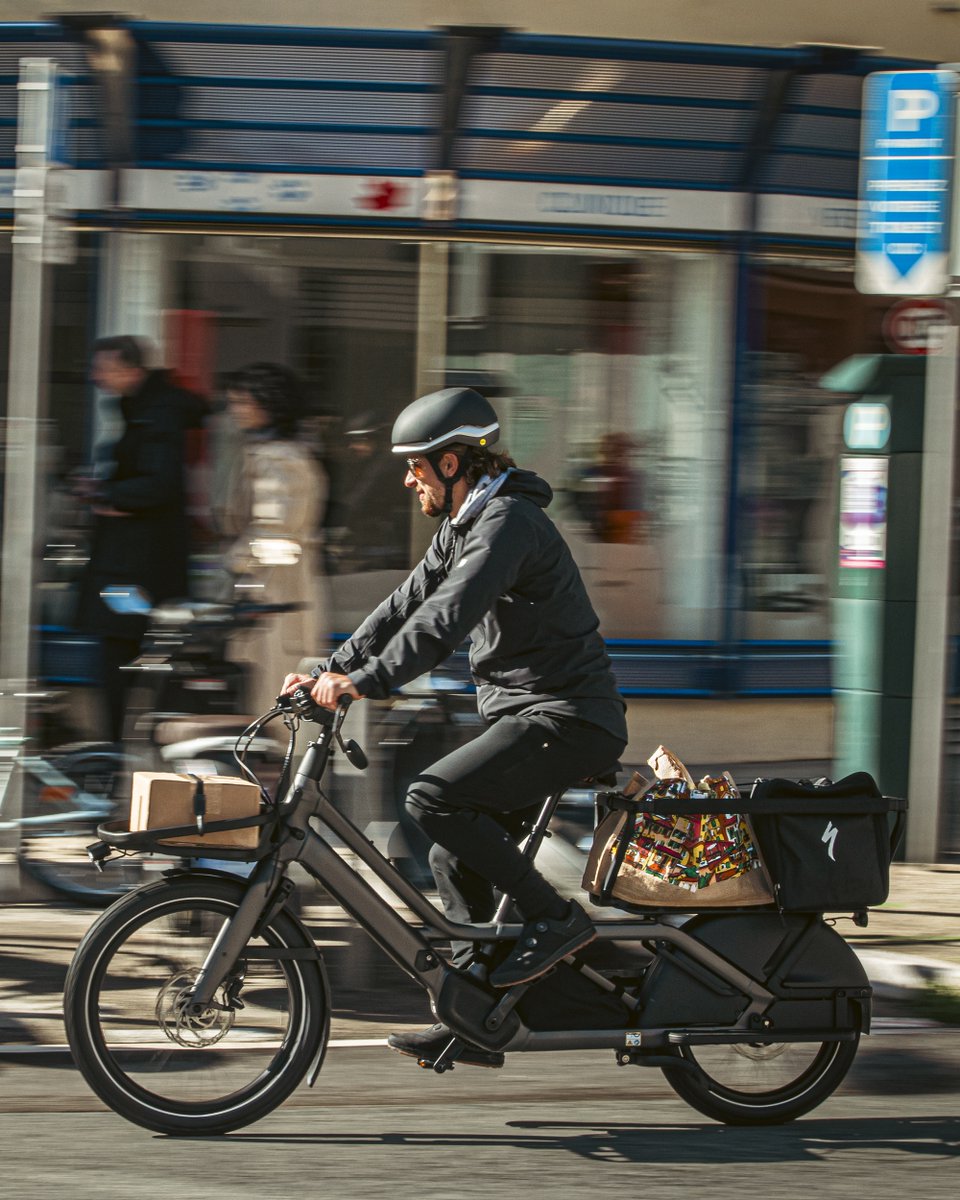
x: 829, y: 838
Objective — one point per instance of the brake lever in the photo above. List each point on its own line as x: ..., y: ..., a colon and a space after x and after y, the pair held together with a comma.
x: 353, y: 752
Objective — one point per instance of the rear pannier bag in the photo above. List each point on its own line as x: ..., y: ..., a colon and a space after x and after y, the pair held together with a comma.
x: 827, y: 847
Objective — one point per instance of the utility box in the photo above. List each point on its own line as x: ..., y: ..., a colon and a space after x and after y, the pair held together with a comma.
x: 875, y: 591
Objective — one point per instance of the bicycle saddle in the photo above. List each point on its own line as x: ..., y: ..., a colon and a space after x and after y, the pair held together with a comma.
x: 604, y: 778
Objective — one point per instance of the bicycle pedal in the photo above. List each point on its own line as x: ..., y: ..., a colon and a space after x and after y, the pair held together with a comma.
x: 439, y: 1067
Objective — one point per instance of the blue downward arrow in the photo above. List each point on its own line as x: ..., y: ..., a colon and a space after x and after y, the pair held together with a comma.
x: 904, y: 263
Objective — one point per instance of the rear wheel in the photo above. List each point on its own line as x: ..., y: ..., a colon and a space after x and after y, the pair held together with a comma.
x: 760, y: 1083
x: 158, y: 1064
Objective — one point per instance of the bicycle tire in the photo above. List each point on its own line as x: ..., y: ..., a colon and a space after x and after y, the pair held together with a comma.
x: 157, y: 1066
x: 752, y: 1085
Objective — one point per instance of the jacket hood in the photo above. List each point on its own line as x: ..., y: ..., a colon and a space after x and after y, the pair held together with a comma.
x: 530, y: 485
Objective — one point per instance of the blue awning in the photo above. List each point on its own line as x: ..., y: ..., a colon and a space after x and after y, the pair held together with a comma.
x: 550, y: 109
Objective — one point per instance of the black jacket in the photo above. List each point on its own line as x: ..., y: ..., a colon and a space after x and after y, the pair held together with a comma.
x: 145, y: 480
x: 507, y: 579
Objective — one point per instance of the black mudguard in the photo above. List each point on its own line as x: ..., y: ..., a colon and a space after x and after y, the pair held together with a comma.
x: 817, y: 980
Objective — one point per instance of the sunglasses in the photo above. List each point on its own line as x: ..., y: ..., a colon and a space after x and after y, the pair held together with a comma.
x: 416, y: 468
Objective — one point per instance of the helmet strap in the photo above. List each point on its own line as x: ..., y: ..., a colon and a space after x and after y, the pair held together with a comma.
x: 448, y: 481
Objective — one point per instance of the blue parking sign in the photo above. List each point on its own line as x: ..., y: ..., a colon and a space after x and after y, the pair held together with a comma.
x: 906, y: 175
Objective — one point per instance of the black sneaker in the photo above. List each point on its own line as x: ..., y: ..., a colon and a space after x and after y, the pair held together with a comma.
x: 543, y: 943
x: 429, y: 1044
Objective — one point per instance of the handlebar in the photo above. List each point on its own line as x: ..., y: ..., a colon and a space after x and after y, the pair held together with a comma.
x: 303, y: 704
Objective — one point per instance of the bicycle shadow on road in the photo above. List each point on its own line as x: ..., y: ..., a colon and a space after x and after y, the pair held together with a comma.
x: 659, y: 1144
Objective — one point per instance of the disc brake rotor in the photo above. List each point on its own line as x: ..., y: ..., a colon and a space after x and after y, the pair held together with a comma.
x: 187, y: 1028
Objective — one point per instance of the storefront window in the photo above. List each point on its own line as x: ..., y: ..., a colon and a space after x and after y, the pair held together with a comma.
x: 611, y: 373
x: 343, y: 314
x: 610, y: 370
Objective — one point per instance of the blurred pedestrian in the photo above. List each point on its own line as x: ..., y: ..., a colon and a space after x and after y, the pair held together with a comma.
x: 272, y: 514
x: 610, y: 492
x: 364, y: 533
x: 137, y: 498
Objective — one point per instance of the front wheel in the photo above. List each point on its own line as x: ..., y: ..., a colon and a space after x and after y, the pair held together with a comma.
x: 156, y: 1063
x: 760, y: 1083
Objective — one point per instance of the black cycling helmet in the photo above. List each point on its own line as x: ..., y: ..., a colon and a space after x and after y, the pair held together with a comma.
x: 442, y: 418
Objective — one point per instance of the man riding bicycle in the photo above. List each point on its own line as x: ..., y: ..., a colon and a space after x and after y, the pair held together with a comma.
x: 498, y: 571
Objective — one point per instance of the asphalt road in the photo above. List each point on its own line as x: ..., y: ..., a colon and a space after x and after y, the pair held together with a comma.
x: 570, y: 1125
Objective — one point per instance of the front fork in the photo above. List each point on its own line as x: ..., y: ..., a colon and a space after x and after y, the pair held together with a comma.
x: 265, y: 880
x: 234, y: 934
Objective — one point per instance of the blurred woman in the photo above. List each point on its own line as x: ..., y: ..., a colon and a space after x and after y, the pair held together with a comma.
x: 272, y: 513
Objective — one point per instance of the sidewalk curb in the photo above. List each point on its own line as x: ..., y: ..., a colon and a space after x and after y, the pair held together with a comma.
x: 900, y: 977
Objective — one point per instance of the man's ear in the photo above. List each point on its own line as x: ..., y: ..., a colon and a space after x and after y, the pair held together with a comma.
x: 449, y: 464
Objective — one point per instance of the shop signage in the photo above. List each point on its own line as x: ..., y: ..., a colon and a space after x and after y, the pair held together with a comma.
x: 906, y: 170
x: 242, y: 192
x: 494, y: 201
x: 808, y: 216
x: 439, y: 195
x: 915, y: 326
x: 513, y: 202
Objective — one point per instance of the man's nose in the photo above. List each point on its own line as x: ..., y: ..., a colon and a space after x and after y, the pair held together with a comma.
x: 409, y: 480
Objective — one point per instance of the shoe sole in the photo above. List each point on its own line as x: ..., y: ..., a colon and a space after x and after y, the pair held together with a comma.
x: 426, y: 1062
x: 571, y: 948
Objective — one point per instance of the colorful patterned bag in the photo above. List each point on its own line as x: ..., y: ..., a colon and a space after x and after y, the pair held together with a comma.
x: 649, y: 858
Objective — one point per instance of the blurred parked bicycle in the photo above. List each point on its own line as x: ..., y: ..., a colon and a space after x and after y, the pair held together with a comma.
x: 66, y: 793
x: 184, y: 713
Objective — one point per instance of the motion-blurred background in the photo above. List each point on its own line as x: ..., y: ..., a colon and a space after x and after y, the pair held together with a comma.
x: 635, y: 234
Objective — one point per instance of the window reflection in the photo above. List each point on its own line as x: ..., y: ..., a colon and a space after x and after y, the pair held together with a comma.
x: 612, y: 371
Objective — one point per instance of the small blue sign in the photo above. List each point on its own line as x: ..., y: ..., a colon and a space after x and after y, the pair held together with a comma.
x: 866, y: 425
x: 906, y: 175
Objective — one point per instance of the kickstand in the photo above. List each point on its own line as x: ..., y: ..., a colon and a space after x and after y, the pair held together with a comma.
x: 446, y: 1059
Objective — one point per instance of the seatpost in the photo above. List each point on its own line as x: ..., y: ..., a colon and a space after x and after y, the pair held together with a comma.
x: 531, y: 847
x: 533, y: 842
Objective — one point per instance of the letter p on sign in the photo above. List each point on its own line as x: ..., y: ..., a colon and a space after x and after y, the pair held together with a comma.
x: 906, y: 108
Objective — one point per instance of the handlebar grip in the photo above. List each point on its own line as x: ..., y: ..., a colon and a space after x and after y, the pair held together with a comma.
x: 305, y: 704
x: 302, y: 702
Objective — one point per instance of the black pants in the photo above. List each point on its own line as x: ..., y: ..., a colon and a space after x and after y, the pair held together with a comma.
x: 474, y: 802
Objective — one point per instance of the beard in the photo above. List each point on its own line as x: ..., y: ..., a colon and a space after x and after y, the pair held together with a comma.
x: 430, y: 507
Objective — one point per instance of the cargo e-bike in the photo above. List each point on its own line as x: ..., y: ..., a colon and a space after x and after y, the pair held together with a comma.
x: 197, y: 1004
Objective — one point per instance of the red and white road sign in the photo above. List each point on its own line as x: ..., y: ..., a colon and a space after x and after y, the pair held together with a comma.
x: 915, y: 326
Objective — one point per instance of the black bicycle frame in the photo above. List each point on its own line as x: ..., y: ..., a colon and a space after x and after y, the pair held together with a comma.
x: 461, y: 1000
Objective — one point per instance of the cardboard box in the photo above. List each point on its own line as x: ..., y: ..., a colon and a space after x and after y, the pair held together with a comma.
x: 160, y: 799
